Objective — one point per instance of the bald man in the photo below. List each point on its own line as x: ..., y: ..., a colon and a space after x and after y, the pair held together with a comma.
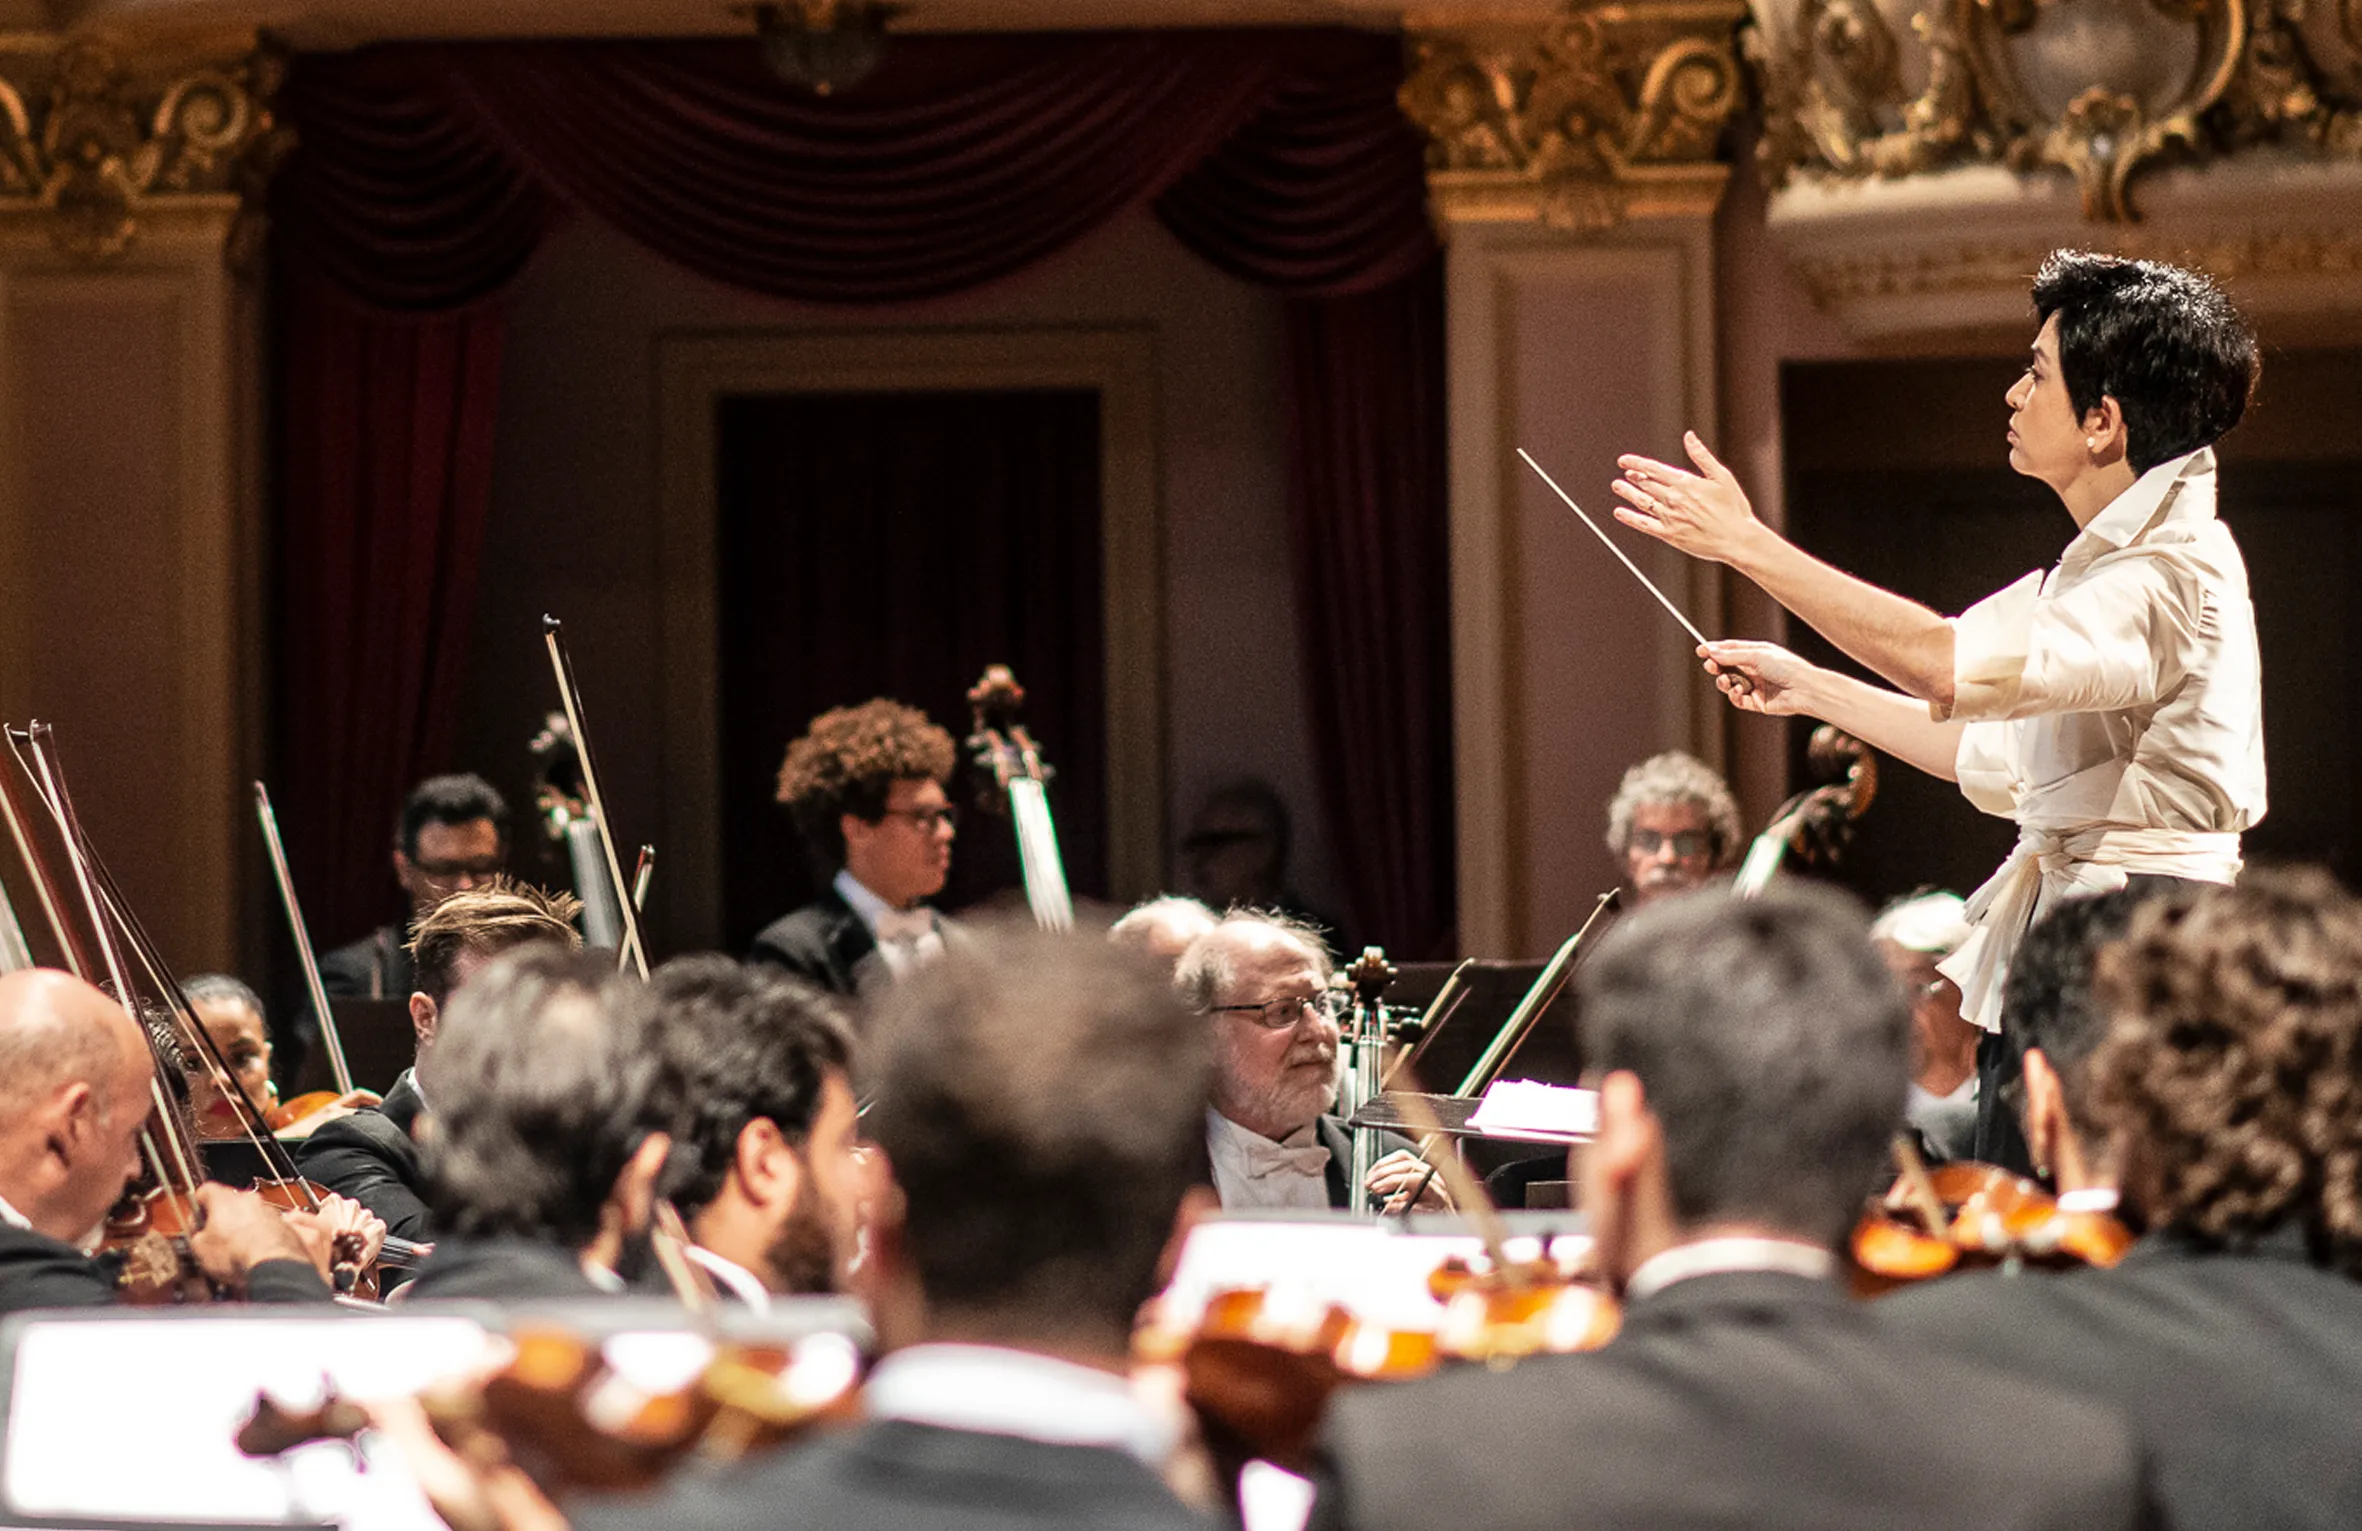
x: 74, y: 1096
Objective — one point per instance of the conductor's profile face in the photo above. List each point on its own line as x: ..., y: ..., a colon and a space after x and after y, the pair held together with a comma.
x: 2047, y: 439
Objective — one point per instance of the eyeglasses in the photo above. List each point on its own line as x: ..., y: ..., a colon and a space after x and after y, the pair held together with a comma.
x: 1283, y: 1014
x: 1686, y: 843
x: 446, y: 871
x: 928, y: 820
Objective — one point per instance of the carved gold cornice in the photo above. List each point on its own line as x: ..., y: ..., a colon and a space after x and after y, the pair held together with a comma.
x: 93, y: 141
x: 1600, y: 113
x: 1976, y: 266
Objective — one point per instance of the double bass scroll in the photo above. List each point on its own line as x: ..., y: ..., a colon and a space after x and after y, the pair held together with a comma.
x: 1015, y: 771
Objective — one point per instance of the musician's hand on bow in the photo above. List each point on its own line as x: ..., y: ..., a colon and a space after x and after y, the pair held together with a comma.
x: 1400, y: 1173
x: 338, y: 1215
x: 1758, y: 677
x: 1705, y: 514
x: 237, y: 1231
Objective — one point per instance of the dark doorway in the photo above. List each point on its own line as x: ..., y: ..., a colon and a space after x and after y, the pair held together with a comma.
x: 1897, y: 472
x: 894, y: 544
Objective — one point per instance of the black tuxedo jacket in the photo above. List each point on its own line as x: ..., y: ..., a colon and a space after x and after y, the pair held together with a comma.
x: 891, y: 1475
x: 501, y: 1269
x: 377, y: 966
x: 824, y: 943
x: 2240, y: 1369
x: 1745, y: 1399
x: 40, y: 1272
x: 371, y: 1157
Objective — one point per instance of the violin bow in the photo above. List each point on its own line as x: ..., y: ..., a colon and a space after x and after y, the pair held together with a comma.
x: 314, y: 989
x: 1537, y: 999
x: 633, y: 953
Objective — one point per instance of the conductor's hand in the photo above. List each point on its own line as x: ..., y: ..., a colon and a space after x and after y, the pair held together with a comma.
x: 1401, y: 1172
x: 1705, y: 514
x: 1759, y: 677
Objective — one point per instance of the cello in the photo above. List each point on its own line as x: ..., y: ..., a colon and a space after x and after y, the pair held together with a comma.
x: 1016, y: 776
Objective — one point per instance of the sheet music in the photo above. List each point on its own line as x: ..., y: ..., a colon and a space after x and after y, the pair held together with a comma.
x: 1541, y: 1113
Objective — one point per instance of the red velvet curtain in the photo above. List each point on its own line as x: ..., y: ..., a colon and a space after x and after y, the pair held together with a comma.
x: 427, y: 174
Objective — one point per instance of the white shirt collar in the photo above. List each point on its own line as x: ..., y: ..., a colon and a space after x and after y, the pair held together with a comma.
x: 994, y: 1391
x: 2093, y: 1198
x: 14, y: 1218
x: 865, y: 903
x: 1250, y: 1170
x: 2132, y: 510
x: 1714, y: 1257
x: 741, y: 1282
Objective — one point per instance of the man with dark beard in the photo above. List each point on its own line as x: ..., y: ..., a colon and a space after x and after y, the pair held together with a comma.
x: 755, y: 1067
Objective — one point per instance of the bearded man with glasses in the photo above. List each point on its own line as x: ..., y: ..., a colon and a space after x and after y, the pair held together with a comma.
x: 1671, y: 826
x: 1262, y: 982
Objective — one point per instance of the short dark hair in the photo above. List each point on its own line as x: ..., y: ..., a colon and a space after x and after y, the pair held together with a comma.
x: 2046, y: 1000
x: 222, y: 986
x: 540, y: 1082
x: 848, y: 761
x: 2163, y: 342
x: 484, y: 921
x: 460, y: 798
x: 734, y: 1044
x: 2232, y: 1068
x: 1772, y: 1044
x: 1041, y: 1099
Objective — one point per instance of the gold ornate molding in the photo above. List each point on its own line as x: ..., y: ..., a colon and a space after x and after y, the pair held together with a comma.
x: 93, y: 141
x: 2104, y: 93
x: 1603, y: 112
x: 1972, y: 266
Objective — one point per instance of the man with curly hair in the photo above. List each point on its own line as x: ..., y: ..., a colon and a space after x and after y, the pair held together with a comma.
x: 2225, y: 1097
x: 865, y: 786
x: 1671, y: 825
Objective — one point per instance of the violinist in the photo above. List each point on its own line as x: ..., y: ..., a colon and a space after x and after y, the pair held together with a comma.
x: 1672, y: 826
x: 756, y: 1070
x: 541, y: 1153
x: 2225, y: 1086
x: 372, y: 1155
x: 1751, y: 1061
x: 1262, y: 983
x: 2113, y: 706
x: 451, y: 835
x: 865, y: 786
x: 232, y: 1016
x: 1037, y: 1105
x: 76, y: 1082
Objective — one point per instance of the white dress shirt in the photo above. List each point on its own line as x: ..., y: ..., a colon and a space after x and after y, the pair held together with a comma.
x: 1017, y: 1392
x: 1250, y: 1170
x: 2115, y: 711
x: 732, y: 1277
x: 905, y: 937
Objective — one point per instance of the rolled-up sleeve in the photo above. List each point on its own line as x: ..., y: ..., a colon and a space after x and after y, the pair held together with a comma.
x: 2114, y: 641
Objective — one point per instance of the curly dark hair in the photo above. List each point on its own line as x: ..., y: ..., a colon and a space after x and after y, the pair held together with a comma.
x: 847, y: 762
x: 2232, y: 1070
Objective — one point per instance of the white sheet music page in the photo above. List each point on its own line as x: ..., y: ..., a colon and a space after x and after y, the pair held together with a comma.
x: 1541, y: 1113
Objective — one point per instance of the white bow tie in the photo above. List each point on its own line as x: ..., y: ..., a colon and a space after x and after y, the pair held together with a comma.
x: 907, y: 926
x: 1265, y: 1158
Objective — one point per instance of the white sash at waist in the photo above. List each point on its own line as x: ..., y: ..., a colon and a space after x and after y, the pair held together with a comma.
x: 2047, y: 866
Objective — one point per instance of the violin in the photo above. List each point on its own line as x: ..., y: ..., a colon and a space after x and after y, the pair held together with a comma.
x: 1016, y: 776
x: 1971, y: 1217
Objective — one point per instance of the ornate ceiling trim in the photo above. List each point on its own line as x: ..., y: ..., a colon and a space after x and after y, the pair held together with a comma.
x: 94, y: 141
x: 1579, y: 121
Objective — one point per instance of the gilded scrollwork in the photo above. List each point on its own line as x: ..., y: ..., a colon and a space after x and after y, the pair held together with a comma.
x: 1607, y: 111
x: 2026, y: 84
x: 94, y: 142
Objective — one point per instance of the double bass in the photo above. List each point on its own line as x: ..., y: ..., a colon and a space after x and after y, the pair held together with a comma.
x: 1015, y: 775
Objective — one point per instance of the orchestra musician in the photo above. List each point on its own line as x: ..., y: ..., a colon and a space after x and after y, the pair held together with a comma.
x: 1750, y: 1061
x: 2225, y: 1087
x: 2111, y: 707
x: 1163, y: 928
x: 1671, y: 826
x: 372, y: 1154
x: 1235, y: 855
x: 1913, y: 935
x: 1037, y: 1106
x: 540, y: 1158
x: 76, y: 1092
x: 452, y: 834
x: 1262, y: 983
x: 232, y: 1016
x: 865, y: 786
x: 756, y: 1071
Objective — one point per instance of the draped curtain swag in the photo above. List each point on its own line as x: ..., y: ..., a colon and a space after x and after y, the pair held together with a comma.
x: 427, y: 175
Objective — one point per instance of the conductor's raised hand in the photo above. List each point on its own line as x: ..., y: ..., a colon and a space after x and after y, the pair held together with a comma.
x: 1759, y: 677
x: 1705, y: 514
